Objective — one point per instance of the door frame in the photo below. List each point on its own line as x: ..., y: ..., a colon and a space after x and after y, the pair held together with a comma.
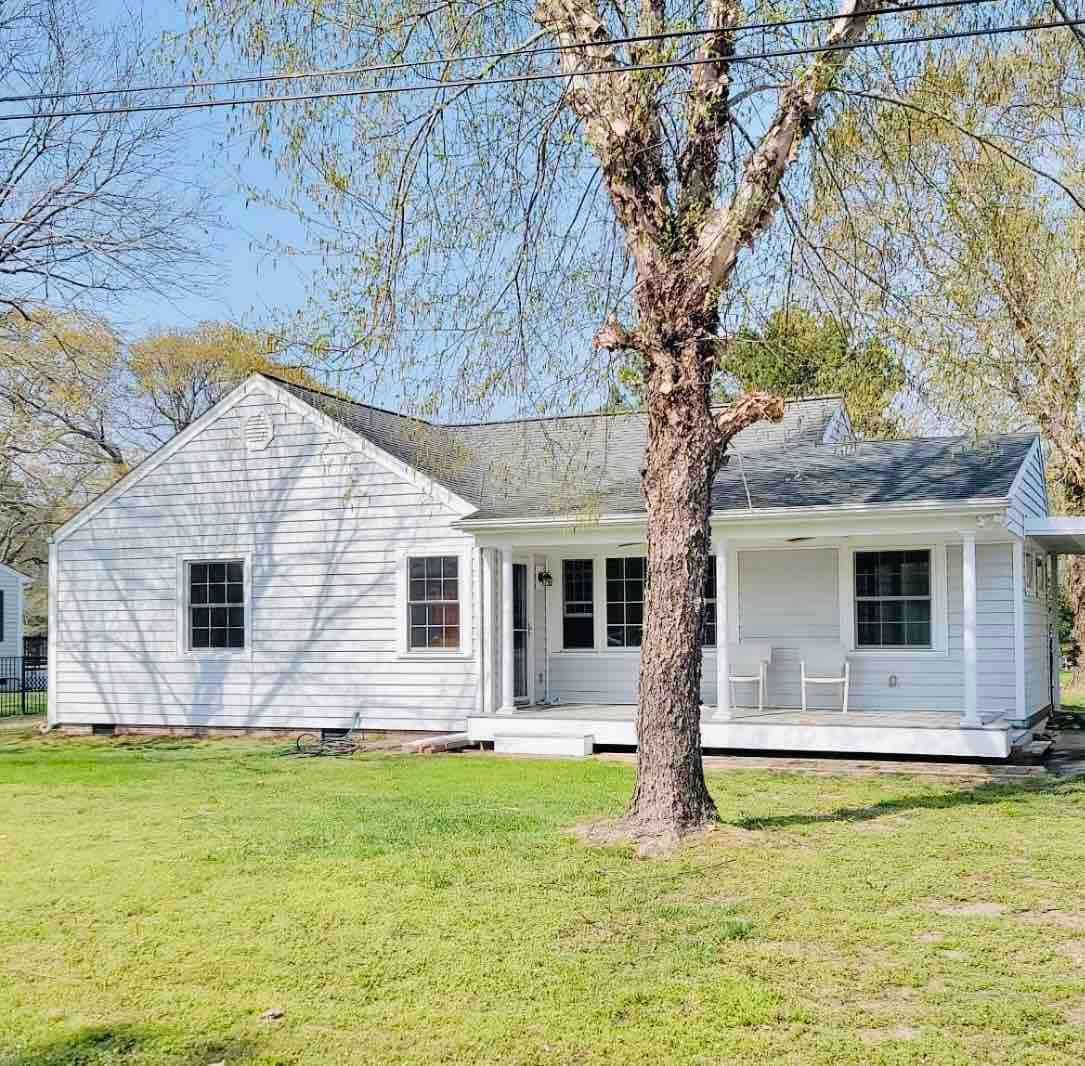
x: 528, y: 562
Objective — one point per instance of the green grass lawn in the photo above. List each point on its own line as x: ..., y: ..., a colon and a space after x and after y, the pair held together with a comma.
x: 157, y: 897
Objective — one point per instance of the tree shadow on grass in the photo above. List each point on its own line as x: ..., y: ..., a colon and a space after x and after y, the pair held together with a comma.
x: 976, y: 796
x: 121, y: 1045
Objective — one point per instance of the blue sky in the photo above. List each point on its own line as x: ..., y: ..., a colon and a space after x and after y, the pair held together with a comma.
x: 254, y: 285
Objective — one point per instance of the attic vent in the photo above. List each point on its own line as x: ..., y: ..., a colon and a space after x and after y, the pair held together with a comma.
x: 256, y: 431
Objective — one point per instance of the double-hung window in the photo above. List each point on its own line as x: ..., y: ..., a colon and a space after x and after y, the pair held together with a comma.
x: 216, y: 605
x: 625, y: 601
x: 893, y: 599
x: 577, y: 604
x: 433, y: 602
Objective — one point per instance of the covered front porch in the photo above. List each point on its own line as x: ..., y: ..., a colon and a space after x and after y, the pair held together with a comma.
x: 581, y: 728
x: 944, y: 620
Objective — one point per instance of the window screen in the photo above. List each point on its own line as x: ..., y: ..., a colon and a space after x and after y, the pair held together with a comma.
x: 216, y: 604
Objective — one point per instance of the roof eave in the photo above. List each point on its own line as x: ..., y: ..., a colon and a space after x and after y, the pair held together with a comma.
x: 967, y: 508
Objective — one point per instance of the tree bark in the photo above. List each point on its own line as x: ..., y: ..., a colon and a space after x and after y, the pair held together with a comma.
x: 671, y: 796
x: 683, y: 258
x: 1076, y: 583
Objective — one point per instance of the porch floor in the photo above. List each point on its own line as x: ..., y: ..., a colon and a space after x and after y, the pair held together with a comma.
x: 925, y: 733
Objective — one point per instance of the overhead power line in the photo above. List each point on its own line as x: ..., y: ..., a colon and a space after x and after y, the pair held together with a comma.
x: 512, y: 79
x: 1060, y: 7
x: 416, y: 64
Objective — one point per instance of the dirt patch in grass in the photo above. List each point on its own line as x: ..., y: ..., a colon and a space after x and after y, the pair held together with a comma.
x: 614, y: 832
x: 1072, y: 920
x: 978, y: 909
x: 896, y: 1032
x: 930, y: 937
x: 1076, y: 1015
x: 1074, y: 950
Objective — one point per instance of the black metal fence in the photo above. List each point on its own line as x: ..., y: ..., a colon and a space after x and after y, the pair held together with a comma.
x: 24, y: 684
x: 36, y: 647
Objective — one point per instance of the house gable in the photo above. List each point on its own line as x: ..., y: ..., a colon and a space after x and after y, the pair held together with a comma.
x: 257, y: 385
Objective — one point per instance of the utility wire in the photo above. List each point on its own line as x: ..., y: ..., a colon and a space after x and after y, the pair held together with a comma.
x: 472, y: 83
x: 1060, y: 7
x: 414, y: 64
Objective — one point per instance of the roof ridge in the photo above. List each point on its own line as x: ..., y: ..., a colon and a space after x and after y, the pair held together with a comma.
x: 347, y: 399
x: 603, y: 414
x: 508, y: 421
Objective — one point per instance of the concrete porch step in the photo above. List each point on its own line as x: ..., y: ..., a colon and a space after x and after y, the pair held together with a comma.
x: 574, y: 745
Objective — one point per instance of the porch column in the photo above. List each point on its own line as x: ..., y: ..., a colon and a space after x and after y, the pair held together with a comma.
x: 723, y: 665
x: 1020, y: 708
x: 968, y: 636
x: 489, y: 636
x: 1056, y: 647
x: 508, y: 677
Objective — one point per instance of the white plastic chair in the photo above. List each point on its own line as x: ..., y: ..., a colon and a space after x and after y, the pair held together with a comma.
x: 826, y: 666
x: 748, y: 664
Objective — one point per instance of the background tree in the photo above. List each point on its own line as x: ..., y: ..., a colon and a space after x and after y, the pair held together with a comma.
x: 184, y: 373
x: 798, y: 353
x: 979, y: 225
x: 96, y: 205
x: 79, y: 407
x: 480, y: 236
x: 64, y: 434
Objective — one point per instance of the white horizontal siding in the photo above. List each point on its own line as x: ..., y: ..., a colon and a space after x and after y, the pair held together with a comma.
x: 788, y: 595
x: 11, y: 639
x: 1037, y: 655
x: 325, y: 529
x: 1028, y: 497
x: 807, y: 579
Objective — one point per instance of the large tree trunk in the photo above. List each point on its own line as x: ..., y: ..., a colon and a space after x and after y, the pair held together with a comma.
x: 1076, y: 579
x: 684, y: 255
x: 670, y: 794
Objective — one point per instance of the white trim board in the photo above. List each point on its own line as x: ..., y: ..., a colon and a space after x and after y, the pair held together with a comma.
x: 253, y: 385
x: 15, y: 573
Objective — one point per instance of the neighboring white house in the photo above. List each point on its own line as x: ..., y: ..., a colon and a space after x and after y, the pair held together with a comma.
x: 12, y: 588
x: 293, y: 559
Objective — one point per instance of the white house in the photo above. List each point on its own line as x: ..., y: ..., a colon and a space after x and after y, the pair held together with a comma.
x: 12, y: 590
x: 294, y: 559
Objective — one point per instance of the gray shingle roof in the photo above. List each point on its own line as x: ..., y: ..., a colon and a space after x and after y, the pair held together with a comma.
x: 591, y: 463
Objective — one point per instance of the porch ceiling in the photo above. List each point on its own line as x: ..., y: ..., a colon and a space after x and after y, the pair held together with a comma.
x: 1060, y: 536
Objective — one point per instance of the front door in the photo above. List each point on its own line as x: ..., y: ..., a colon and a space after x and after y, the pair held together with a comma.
x: 520, y: 630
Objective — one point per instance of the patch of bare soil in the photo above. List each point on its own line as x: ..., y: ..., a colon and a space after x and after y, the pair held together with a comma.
x: 1071, y: 920
x: 955, y: 955
x: 897, y: 1000
x: 616, y: 832
x: 896, y: 1032
x: 979, y: 909
x: 1074, y: 950
x: 1076, y: 1015
x: 930, y: 937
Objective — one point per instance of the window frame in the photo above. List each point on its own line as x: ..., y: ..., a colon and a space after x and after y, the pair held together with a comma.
x: 426, y: 601
x: 939, y: 646
x: 184, y: 594
x: 929, y: 599
x: 562, y: 614
x: 625, y: 625
x: 465, y: 554
x: 708, y: 604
